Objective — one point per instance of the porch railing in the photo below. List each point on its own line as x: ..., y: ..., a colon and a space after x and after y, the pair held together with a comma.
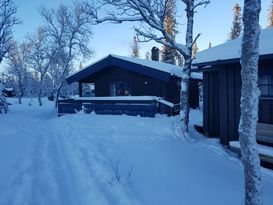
x: 133, y: 108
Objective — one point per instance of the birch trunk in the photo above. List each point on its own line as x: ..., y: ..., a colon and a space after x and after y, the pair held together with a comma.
x: 40, y: 91
x: 184, y: 95
x: 58, y: 93
x: 249, y: 103
x: 20, y: 87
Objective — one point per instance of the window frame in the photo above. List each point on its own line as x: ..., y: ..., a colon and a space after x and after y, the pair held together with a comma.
x: 114, y: 85
x: 268, y: 85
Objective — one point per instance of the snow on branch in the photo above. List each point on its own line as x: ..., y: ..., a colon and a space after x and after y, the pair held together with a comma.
x: 151, y: 15
x: 8, y: 20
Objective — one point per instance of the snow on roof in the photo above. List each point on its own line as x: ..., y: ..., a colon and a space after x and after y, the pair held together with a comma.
x: 173, y: 70
x: 198, y: 76
x: 232, y: 49
x: 9, y: 89
x: 165, y: 67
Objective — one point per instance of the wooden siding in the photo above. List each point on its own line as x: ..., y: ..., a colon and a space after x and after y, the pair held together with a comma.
x: 141, y: 85
x: 229, y: 93
x: 221, y: 103
x: 222, y: 92
x: 194, y: 93
x: 266, y: 111
x: 266, y: 104
x: 211, y: 103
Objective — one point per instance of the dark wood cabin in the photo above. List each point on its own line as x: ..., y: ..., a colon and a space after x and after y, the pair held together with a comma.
x: 222, y: 86
x: 124, y: 76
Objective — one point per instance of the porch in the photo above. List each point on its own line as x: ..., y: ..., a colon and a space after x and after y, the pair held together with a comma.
x: 144, y: 106
x: 265, y: 144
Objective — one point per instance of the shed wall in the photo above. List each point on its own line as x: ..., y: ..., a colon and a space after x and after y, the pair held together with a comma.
x: 211, y: 103
x: 222, y: 93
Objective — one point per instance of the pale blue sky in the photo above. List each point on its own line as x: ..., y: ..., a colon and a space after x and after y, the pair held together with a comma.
x: 213, y: 22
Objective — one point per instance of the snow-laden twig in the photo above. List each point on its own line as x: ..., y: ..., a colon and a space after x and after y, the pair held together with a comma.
x: 118, y: 176
x: 115, y: 168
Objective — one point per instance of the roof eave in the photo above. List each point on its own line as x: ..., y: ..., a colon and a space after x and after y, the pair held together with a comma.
x: 111, y: 60
x: 203, y: 66
x: 88, y: 70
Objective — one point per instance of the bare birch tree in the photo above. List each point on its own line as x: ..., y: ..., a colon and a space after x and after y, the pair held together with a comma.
x: 7, y: 21
x: 39, y: 57
x: 152, y: 17
x: 68, y: 30
x: 17, y: 67
x: 249, y: 103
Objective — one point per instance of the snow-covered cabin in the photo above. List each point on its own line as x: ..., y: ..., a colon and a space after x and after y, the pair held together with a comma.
x: 116, y: 78
x: 8, y: 92
x: 222, y: 86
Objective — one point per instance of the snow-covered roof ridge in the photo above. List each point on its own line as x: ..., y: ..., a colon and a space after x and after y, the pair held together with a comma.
x: 232, y: 49
x: 88, y: 66
x: 168, y: 69
x: 161, y: 66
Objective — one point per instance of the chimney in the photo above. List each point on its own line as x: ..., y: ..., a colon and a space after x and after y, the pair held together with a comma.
x: 155, y: 54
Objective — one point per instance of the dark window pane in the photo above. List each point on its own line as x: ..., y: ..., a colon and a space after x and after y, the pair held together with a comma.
x: 113, y: 89
x: 264, y: 90
x: 271, y: 91
x: 266, y: 85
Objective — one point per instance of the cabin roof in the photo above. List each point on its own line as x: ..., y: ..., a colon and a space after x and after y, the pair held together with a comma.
x: 155, y: 69
x: 230, y: 51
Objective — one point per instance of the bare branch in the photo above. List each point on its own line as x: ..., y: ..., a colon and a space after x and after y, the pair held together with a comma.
x: 195, y: 39
x: 201, y: 3
x: 7, y: 22
x: 115, y: 168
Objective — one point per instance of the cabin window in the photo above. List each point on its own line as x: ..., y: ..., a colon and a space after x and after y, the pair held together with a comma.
x: 88, y: 89
x: 120, y: 88
x: 266, y: 85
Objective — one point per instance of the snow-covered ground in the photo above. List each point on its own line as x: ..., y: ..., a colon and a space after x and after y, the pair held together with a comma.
x: 45, y: 159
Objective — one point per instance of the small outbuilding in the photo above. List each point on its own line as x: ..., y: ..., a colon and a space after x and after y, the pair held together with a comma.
x: 9, y: 92
x: 222, y: 86
x: 120, y: 80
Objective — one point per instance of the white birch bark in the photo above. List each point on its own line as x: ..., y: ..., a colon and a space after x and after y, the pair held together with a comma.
x: 249, y: 103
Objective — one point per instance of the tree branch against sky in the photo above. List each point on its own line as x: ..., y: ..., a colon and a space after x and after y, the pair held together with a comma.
x: 168, y: 54
x: 38, y: 57
x: 17, y: 67
x: 68, y: 31
x: 7, y: 22
x: 152, y: 16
